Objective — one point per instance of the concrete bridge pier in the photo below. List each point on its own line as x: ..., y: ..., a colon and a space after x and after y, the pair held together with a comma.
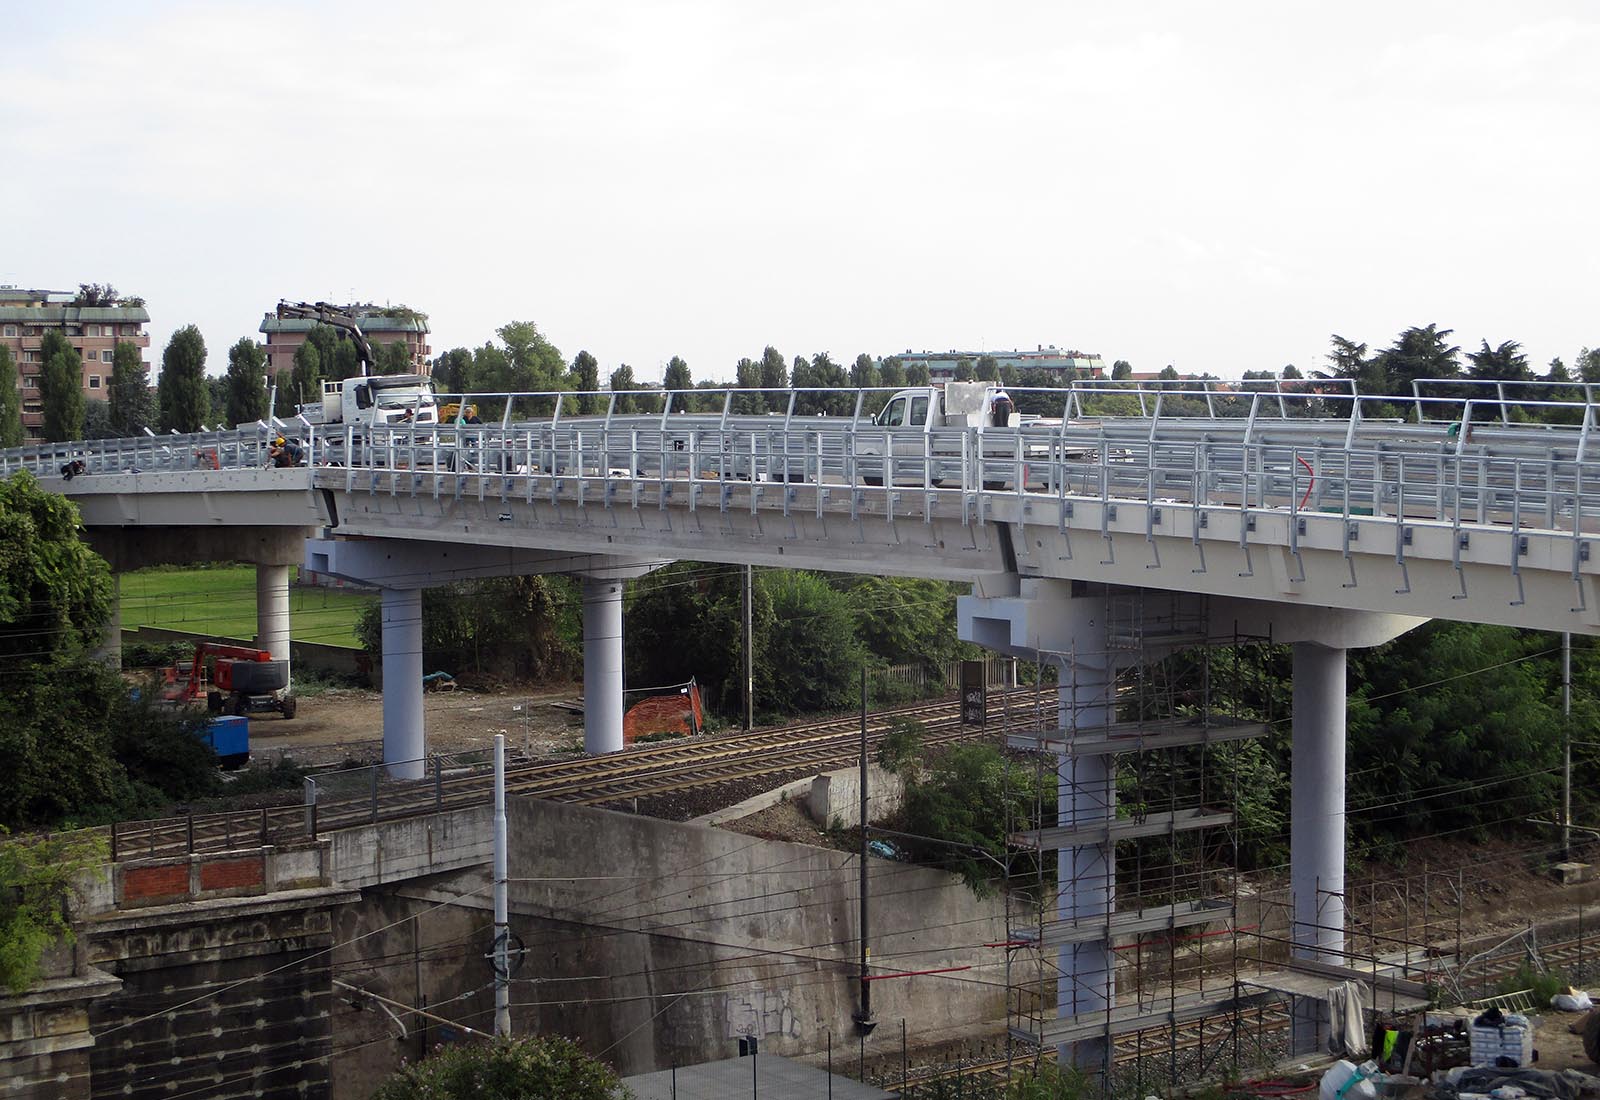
x: 1317, y: 827
x: 402, y: 568
x: 1064, y: 624
x: 404, y: 739
x: 602, y: 664
x: 272, y: 610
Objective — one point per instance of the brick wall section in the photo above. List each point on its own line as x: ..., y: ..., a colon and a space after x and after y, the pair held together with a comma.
x: 232, y: 874
x: 164, y: 881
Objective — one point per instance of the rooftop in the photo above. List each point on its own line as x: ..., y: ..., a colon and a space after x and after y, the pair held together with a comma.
x: 61, y: 314
x: 371, y: 319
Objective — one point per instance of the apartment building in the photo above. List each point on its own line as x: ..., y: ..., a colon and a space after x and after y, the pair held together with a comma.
x: 943, y: 365
x: 26, y: 315
x: 380, y: 324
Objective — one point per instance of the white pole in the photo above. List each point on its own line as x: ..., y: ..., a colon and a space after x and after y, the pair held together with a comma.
x: 502, y: 931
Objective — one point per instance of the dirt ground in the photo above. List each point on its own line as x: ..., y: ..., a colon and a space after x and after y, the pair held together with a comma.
x: 337, y: 724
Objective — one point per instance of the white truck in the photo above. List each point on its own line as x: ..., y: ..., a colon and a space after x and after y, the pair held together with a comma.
x: 375, y: 400
x: 925, y: 426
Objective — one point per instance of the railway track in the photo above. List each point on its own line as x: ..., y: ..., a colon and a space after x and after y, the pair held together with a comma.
x: 627, y: 778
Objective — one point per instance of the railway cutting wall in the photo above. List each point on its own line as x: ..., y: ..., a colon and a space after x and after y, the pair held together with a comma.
x: 659, y: 943
x: 655, y: 943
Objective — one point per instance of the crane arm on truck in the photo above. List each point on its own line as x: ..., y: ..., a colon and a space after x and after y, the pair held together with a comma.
x: 340, y: 319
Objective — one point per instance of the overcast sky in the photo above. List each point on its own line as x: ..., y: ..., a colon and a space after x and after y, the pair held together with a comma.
x: 1217, y: 186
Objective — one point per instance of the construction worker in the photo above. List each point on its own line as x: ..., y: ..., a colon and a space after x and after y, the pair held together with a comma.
x: 284, y: 452
x: 1002, y: 408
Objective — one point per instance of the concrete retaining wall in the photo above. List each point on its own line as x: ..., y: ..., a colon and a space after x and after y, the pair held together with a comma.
x: 303, y: 656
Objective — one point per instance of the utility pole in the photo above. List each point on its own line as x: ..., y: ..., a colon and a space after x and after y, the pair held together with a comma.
x: 863, y: 1017
x: 1566, y: 745
x: 502, y: 929
x: 749, y: 649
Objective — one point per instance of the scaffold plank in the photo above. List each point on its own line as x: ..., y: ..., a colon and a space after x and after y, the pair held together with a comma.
x: 1134, y: 737
x: 1154, y: 919
x: 1124, y: 828
x: 1122, y: 1019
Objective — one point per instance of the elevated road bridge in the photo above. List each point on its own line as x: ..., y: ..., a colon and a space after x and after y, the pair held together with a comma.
x: 1317, y: 517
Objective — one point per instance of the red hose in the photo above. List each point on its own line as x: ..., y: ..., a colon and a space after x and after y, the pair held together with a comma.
x: 1313, y: 481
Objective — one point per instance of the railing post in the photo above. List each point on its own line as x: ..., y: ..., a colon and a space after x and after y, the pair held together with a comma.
x: 374, y: 772
x: 189, y: 830
x: 438, y: 780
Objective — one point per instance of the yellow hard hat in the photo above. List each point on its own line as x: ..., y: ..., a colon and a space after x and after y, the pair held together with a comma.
x: 279, y: 441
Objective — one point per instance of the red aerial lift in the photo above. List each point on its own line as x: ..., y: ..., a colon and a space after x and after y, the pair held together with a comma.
x: 241, y: 680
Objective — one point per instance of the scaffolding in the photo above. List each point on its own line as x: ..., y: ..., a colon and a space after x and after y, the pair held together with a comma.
x: 1141, y: 953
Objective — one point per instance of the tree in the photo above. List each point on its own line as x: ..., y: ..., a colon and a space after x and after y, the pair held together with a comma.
x: 61, y: 389
x: 622, y: 383
x: 36, y: 877
x: 815, y: 657
x: 586, y: 380
x: 971, y: 797
x: 903, y: 620
x: 747, y: 376
x: 500, y: 627
x: 66, y: 718
x: 1121, y: 369
x: 392, y: 358
x: 181, y: 393
x: 536, y: 364
x: 893, y: 373
x: 988, y: 369
x: 11, y: 434
x: 1290, y: 372
x: 917, y: 374
x: 1416, y: 353
x: 305, y: 380
x: 687, y: 620
x: 864, y: 372
x: 1504, y: 363
x: 246, y: 383
x: 1587, y: 364
x: 522, y: 1069
x: 676, y: 379
x: 129, y: 401
x: 452, y: 371
x: 965, y: 372
x: 1558, y: 371
x: 95, y: 294
x: 774, y: 376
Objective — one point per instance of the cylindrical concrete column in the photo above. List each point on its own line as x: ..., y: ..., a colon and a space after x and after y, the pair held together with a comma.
x: 1316, y: 824
x: 110, y: 648
x: 272, y: 610
x: 404, y: 741
x: 602, y: 665
x: 1086, y: 793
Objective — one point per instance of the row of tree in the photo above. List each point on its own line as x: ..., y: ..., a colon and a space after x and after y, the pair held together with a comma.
x: 184, y: 398
x: 812, y: 632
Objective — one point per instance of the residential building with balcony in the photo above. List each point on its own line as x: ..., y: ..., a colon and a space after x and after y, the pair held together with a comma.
x: 380, y: 325
x: 25, y: 317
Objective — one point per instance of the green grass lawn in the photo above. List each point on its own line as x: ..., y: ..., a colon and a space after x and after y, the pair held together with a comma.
x: 222, y: 601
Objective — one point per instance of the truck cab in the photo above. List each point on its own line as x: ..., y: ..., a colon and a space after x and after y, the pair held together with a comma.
x: 911, y: 423
x: 385, y: 399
